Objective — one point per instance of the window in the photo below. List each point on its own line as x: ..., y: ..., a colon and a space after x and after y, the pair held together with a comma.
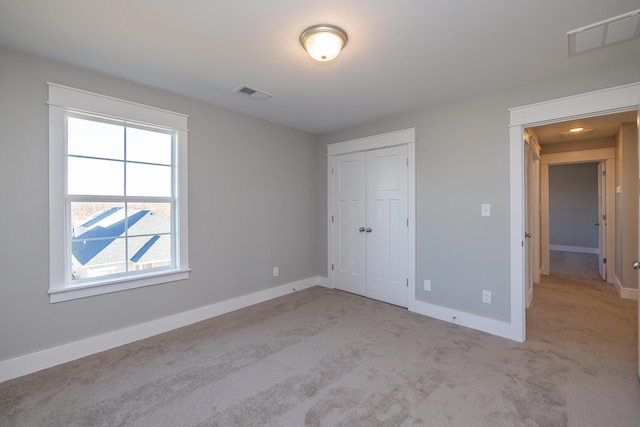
x: 118, y: 194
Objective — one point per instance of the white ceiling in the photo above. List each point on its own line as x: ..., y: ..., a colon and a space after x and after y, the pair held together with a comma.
x: 401, y: 55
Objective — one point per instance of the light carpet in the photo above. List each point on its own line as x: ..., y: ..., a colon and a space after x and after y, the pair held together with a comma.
x: 322, y: 357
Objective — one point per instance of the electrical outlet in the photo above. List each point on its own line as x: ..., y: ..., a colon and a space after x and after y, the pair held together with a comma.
x: 276, y: 272
x: 486, y: 297
x: 427, y: 285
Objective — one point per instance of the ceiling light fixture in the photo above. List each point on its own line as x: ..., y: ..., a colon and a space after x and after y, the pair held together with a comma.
x: 576, y: 131
x: 323, y: 42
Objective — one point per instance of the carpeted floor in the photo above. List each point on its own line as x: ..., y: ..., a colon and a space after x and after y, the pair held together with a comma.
x: 575, y: 265
x: 322, y: 357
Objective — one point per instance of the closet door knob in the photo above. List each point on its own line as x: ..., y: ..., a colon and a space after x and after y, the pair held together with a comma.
x: 368, y: 230
x: 361, y: 229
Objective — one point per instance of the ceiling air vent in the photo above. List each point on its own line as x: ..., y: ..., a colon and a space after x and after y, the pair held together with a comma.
x: 604, y: 33
x: 252, y: 92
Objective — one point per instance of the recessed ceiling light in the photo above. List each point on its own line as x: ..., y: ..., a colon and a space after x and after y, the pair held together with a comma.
x: 576, y: 131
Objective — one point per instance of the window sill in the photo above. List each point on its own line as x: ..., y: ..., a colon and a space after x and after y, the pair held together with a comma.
x: 77, y: 292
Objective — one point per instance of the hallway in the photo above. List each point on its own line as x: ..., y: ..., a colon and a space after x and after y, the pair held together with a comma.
x: 581, y: 267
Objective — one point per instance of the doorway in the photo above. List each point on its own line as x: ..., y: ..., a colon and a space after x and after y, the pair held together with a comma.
x: 579, y: 220
x: 618, y: 99
x: 574, y: 225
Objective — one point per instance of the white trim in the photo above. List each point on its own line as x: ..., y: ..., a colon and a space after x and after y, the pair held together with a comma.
x: 626, y: 293
x: 579, y: 156
x: 516, y: 193
x: 411, y: 212
x: 324, y: 282
x: 621, y: 98
x: 484, y: 324
x: 576, y: 249
x: 389, y: 139
x: 597, y: 103
x: 90, y: 102
x: 47, y: 358
x: 530, y: 296
x: 606, y: 155
x: 63, y: 98
x: 68, y: 294
x: 382, y: 140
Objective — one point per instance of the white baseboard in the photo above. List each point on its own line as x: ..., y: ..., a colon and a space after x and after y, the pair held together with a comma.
x: 578, y: 249
x: 23, y: 365
x: 324, y: 281
x: 626, y: 293
x: 484, y: 324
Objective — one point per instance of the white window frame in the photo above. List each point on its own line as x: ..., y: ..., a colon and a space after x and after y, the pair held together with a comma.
x: 63, y: 99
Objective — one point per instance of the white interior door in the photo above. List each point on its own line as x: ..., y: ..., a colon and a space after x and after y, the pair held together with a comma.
x: 370, y: 224
x: 636, y: 264
x: 528, y: 223
x: 387, y: 225
x: 349, y: 222
x: 601, y: 221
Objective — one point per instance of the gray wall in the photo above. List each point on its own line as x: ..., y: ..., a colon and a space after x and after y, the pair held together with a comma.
x: 462, y: 155
x: 258, y: 199
x: 573, y: 205
x: 627, y: 204
x: 253, y: 204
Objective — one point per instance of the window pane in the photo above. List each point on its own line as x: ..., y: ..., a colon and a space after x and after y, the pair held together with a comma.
x: 149, y: 252
x: 90, y: 220
x: 148, y: 180
x: 95, y: 139
x: 150, y: 218
x: 95, y: 177
x: 110, y: 259
x: 149, y: 146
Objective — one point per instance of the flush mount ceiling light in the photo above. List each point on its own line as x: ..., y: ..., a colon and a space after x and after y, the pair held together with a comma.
x: 323, y: 42
x: 576, y: 131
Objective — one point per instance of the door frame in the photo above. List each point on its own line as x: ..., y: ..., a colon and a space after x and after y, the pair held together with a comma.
x: 532, y: 214
x: 599, y: 155
x: 607, y: 101
x: 401, y: 137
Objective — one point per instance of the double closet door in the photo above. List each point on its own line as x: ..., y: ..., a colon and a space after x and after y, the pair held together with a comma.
x: 369, y: 224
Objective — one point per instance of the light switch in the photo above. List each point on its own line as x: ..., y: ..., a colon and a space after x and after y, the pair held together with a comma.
x: 485, y: 209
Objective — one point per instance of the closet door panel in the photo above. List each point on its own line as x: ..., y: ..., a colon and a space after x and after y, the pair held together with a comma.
x: 349, y: 207
x: 387, y: 219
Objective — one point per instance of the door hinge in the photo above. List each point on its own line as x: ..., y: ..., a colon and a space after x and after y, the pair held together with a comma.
x: 331, y: 170
x: 604, y: 216
x: 407, y: 161
x: 407, y: 222
x: 407, y: 283
x: 604, y: 260
x: 331, y: 267
x: 331, y: 218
